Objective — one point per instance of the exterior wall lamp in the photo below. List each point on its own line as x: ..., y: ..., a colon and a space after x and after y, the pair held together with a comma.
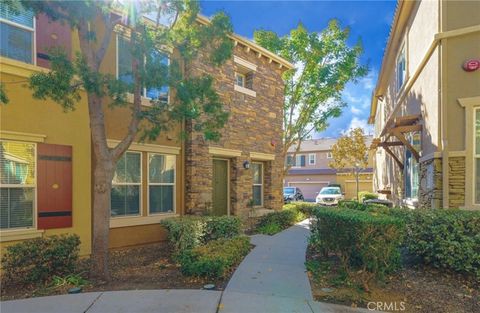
x: 246, y: 165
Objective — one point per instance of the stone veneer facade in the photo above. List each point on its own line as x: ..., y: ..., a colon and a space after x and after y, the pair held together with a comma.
x: 430, y: 191
x: 456, y: 182
x: 254, y: 125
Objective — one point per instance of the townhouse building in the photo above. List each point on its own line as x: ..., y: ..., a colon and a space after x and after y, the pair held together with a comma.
x: 310, y: 170
x: 46, y: 154
x: 426, y: 107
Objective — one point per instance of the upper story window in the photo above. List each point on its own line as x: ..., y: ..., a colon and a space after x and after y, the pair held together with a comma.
x: 17, y: 33
x: 300, y: 161
x: 17, y: 184
x: 124, y: 69
x: 244, y: 76
x: 311, y: 159
x: 401, y: 69
x: 329, y: 155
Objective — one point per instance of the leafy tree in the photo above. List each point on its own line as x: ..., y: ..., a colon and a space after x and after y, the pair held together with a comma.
x: 95, y: 24
x: 351, y: 152
x: 324, y: 64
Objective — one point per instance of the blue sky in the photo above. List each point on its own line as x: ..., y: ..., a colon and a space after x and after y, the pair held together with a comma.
x: 368, y: 20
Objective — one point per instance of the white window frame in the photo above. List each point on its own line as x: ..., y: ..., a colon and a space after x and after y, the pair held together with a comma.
x: 312, y: 161
x: 403, y: 53
x: 144, y: 90
x: 174, y: 184
x: 329, y: 155
x: 261, y: 185
x: 140, y: 210
x: 33, y: 30
x: 34, y: 186
x: 410, y: 139
x: 243, y: 76
x: 298, y: 161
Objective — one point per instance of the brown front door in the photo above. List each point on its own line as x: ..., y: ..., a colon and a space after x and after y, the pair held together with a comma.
x: 220, y: 187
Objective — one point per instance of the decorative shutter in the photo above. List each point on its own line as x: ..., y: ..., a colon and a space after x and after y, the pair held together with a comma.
x: 51, y: 34
x: 289, y: 160
x: 54, y: 186
x: 302, y: 161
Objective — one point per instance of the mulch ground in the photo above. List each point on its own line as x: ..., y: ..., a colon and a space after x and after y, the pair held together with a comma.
x: 421, y: 289
x: 145, y: 267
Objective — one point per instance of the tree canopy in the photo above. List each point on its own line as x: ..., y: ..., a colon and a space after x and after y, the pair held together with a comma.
x: 325, y: 63
x: 150, y: 29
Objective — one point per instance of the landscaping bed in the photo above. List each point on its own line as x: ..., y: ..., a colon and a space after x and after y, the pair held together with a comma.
x: 144, y: 267
x: 423, y: 289
x: 393, y: 259
x: 199, y: 251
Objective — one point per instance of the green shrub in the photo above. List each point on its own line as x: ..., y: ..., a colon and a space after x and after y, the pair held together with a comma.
x: 352, y: 205
x: 367, y: 195
x: 188, y: 232
x: 269, y: 229
x: 283, y: 219
x: 38, y: 260
x: 218, y: 227
x: 444, y: 238
x: 214, y: 259
x: 305, y: 208
x: 367, y: 243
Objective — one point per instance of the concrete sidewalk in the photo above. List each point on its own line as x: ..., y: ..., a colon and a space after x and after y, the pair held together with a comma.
x: 272, y: 278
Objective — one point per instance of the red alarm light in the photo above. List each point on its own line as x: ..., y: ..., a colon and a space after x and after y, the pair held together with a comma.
x: 471, y: 65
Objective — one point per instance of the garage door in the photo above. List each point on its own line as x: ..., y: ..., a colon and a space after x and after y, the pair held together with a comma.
x: 309, y: 190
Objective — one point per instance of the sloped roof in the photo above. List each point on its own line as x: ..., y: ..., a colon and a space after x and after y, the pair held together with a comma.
x: 322, y: 144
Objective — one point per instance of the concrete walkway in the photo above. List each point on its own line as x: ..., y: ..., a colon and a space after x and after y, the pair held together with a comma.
x: 272, y: 278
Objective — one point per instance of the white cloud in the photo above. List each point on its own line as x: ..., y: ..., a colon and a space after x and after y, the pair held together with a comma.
x: 355, y: 110
x: 368, y: 82
x: 359, y: 123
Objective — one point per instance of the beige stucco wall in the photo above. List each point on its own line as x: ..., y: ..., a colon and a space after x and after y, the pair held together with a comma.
x: 422, y: 98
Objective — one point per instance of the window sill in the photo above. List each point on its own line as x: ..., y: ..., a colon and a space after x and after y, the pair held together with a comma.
x: 139, y: 220
x: 245, y: 90
x: 20, y: 234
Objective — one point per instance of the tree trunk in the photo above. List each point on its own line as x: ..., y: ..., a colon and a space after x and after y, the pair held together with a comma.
x: 357, y: 181
x: 103, y: 169
x: 102, y: 187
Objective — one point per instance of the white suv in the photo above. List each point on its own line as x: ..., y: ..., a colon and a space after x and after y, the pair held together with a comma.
x: 329, y: 196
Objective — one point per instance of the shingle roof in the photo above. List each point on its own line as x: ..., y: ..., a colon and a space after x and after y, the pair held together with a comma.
x: 322, y: 144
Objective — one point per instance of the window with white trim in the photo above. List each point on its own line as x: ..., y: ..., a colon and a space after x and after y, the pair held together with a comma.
x: 401, y: 69
x: 412, y: 167
x: 127, y: 185
x: 17, y: 184
x: 257, y: 172
x: 311, y: 159
x: 329, y: 155
x: 161, y: 183
x: 17, y: 34
x: 124, y: 69
x: 240, y: 79
x: 477, y: 155
x: 300, y: 161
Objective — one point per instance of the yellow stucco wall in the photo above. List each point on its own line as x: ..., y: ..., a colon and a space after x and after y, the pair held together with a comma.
x: 349, y: 185
x: 26, y: 115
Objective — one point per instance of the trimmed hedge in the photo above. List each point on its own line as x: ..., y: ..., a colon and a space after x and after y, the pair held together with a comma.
x: 367, y: 243
x: 444, y: 238
x: 291, y: 213
x: 214, y: 259
x: 38, y: 260
x: 367, y: 195
x: 188, y: 232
